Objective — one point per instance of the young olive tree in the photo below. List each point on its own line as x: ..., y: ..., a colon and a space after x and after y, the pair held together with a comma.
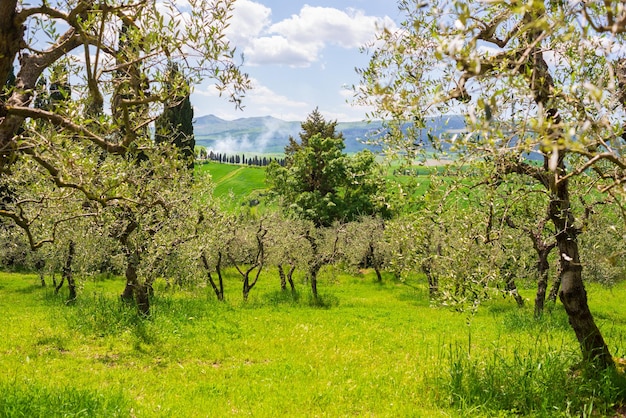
x: 366, y: 246
x: 287, y: 247
x: 152, y: 225
x: 540, y: 78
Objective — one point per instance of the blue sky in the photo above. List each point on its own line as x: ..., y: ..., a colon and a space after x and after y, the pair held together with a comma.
x: 300, y: 55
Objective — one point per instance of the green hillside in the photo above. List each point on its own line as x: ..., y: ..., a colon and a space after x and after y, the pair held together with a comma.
x: 248, y: 182
x: 243, y: 182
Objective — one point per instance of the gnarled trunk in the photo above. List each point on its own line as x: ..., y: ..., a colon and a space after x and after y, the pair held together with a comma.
x: 574, y: 298
x: 134, y: 288
x: 313, y: 278
x: 543, y: 268
x: 283, y: 277
x: 67, y: 273
x: 287, y: 277
x: 218, y: 287
x: 573, y: 294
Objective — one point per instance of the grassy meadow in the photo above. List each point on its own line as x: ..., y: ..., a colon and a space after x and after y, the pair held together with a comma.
x: 247, y: 182
x: 371, y: 349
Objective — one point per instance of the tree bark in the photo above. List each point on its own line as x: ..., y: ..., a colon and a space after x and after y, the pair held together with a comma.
x: 39, y: 265
x: 551, y: 175
x: 11, y: 36
x: 218, y: 288
x: 283, y: 278
x: 134, y: 288
x: 573, y: 294
x: 543, y: 268
x: 379, y: 275
x: 556, y: 286
x: 287, y: 278
x: 67, y: 272
x: 433, y: 282
x: 57, y: 287
x: 131, y: 277
x: 290, y: 278
x: 313, y: 277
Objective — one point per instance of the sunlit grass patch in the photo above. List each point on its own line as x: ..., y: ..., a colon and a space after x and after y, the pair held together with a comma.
x: 371, y: 349
x: 28, y: 399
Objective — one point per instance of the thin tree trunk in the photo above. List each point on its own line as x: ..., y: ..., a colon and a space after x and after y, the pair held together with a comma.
x: 379, y: 275
x: 543, y: 268
x: 142, y: 296
x: 313, y: 271
x: 433, y: 282
x: 67, y: 273
x: 314, y: 286
x: 556, y: 286
x: 290, y: 278
x: 39, y: 265
x: 283, y: 278
x: 42, y: 279
x: 572, y: 293
x: 219, y: 290
x: 57, y: 287
x: 127, y: 294
x: 135, y: 289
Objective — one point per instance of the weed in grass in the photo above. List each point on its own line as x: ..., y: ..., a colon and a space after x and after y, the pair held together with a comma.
x: 534, y: 382
x: 102, y: 315
x: 35, y: 400
x: 323, y: 301
x: 281, y: 297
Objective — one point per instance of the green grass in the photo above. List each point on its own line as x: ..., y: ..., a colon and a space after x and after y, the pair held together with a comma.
x: 369, y: 350
x: 217, y: 170
x: 242, y: 182
x: 245, y: 183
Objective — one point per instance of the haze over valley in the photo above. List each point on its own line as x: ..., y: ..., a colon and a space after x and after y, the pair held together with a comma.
x: 270, y: 135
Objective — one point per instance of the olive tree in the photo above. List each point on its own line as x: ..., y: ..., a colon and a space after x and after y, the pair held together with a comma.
x: 287, y: 247
x: 535, y: 78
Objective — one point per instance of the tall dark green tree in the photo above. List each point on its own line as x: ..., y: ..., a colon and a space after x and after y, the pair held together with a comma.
x: 175, y: 124
x: 315, y: 124
x: 60, y: 89
x: 321, y: 184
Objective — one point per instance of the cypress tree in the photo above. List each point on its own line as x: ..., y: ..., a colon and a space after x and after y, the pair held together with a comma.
x: 175, y: 124
x: 313, y: 125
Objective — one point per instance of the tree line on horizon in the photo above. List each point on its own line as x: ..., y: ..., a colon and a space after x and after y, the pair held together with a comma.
x: 239, y: 159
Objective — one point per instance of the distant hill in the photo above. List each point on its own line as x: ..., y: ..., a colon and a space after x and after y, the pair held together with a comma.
x: 270, y: 135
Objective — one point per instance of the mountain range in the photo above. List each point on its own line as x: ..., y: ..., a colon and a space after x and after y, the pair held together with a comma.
x: 270, y: 135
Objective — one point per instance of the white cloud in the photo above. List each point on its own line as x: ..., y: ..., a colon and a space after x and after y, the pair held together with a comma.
x: 263, y: 100
x: 248, y: 22
x: 299, y: 40
x: 349, y: 29
x: 262, y: 95
x: 279, y: 50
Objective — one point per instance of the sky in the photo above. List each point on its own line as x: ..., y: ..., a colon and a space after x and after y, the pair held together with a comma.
x: 299, y: 55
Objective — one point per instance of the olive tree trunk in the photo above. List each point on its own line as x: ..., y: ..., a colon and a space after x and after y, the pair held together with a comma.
x: 573, y: 294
